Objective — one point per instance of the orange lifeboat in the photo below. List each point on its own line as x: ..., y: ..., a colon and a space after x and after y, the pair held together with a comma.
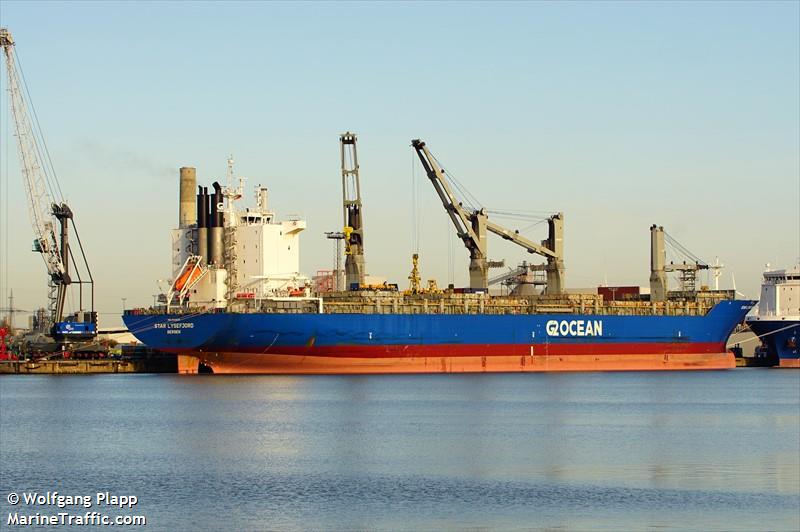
x: 190, y: 274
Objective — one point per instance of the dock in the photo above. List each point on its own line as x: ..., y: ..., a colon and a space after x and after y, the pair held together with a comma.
x: 149, y: 364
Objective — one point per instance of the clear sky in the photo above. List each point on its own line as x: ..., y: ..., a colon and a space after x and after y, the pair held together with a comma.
x: 621, y: 115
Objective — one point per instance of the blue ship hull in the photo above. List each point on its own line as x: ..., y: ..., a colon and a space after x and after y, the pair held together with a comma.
x: 781, y: 339
x: 408, y: 343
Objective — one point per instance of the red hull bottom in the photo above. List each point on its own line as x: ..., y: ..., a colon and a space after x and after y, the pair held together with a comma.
x: 241, y: 363
x: 789, y: 363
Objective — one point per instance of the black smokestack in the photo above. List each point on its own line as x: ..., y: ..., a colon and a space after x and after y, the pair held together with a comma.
x: 215, y: 227
x: 216, y: 216
x: 218, y: 199
x: 202, y: 225
x: 201, y: 211
x: 206, y: 207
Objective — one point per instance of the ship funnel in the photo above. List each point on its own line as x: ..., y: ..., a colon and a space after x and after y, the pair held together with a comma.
x: 202, y: 223
x: 215, y: 227
x: 201, y: 212
x: 186, y: 206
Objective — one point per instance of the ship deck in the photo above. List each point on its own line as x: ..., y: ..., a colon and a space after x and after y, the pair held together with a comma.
x: 392, y: 302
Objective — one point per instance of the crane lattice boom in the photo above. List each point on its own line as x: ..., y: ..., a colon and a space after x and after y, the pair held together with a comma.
x: 50, y: 220
x: 40, y: 205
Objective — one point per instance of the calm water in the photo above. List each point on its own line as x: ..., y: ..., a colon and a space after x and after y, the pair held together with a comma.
x: 606, y: 451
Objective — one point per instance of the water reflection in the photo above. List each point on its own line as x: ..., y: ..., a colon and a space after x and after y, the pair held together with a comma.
x: 586, y: 451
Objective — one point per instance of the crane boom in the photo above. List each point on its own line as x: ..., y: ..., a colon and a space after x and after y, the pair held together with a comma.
x: 515, y: 237
x: 458, y: 214
x: 33, y: 169
x: 45, y: 214
x: 471, y: 227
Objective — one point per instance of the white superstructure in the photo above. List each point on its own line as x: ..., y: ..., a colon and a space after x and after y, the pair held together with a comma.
x: 267, y: 253
x: 780, y: 296
x: 259, y: 256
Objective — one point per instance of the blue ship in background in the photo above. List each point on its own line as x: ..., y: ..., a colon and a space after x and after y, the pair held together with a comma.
x: 777, y: 321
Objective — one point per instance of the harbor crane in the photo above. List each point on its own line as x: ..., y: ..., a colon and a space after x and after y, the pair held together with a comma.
x: 472, y: 225
x: 354, y: 265
x: 50, y: 219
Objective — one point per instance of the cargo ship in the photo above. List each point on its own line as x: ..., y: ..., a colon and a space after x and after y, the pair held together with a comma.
x: 239, y: 303
x: 777, y: 321
x: 293, y: 338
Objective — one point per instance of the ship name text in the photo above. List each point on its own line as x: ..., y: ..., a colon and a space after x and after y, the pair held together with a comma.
x: 174, y: 328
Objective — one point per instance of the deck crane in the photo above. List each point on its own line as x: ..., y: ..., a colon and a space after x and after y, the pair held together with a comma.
x: 471, y: 227
x: 50, y: 219
x: 523, y: 279
x: 659, y: 268
x: 354, y: 265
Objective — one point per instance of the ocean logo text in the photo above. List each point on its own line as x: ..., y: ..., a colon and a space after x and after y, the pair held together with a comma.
x: 574, y: 328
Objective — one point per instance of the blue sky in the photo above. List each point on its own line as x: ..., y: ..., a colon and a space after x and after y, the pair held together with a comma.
x: 619, y: 114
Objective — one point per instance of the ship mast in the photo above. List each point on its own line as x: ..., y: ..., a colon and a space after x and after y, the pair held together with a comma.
x: 229, y: 258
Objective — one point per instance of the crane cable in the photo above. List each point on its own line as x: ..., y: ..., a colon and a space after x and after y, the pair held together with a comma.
x: 4, y: 181
x: 683, y: 250
x: 42, y: 154
x: 521, y: 215
x: 538, y: 217
x: 50, y: 174
x: 414, y: 200
x: 466, y: 196
x: 531, y: 226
